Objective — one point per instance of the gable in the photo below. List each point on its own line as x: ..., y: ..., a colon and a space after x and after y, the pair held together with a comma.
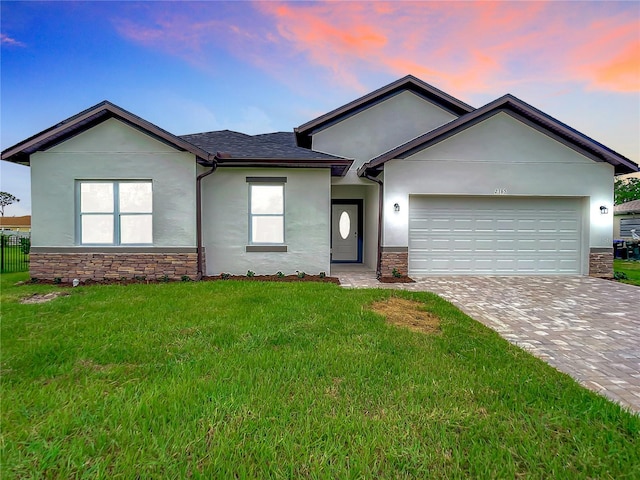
x: 518, y: 110
x: 501, y: 138
x: 380, y: 127
x: 113, y: 136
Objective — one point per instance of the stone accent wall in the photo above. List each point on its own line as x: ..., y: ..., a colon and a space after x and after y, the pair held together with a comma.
x: 394, y: 259
x: 112, y: 266
x: 601, y: 263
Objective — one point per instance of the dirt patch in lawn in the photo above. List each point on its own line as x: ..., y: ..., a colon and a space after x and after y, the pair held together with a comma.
x: 408, y: 314
x: 43, y: 297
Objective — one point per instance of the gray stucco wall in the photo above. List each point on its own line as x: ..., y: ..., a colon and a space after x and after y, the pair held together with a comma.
x: 112, y: 151
x: 506, y: 155
x: 380, y: 128
x: 307, y: 222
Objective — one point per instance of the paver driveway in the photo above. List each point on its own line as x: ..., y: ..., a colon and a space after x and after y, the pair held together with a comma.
x: 586, y: 327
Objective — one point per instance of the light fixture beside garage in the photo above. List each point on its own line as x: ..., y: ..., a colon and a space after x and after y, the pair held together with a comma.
x: 604, y: 210
x: 396, y: 207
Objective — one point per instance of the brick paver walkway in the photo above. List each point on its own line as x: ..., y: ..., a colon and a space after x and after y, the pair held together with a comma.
x: 586, y: 327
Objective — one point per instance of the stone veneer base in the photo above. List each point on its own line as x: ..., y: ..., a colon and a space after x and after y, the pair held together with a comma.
x: 601, y: 263
x: 394, y: 258
x: 112, y: 266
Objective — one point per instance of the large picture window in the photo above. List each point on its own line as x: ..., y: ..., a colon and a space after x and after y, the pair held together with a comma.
x: 115, y: 213
x: 266, y: 213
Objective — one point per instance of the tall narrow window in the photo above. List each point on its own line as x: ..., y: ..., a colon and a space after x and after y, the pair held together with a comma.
x: 115, y: 213
x: 266, y: 213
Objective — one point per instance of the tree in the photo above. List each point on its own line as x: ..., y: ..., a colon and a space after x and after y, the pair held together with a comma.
x: 626, y: 190
x: 6, y: 199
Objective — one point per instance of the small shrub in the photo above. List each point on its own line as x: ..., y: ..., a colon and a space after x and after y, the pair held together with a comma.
x: 185, y: 278
x: 25, y: 245
x: 251, y: 273
x: 57, y: 280
x: 280, y: 275
x: 225, y: 276
x: 396, y: 273
x: 300, y: 274
x: 34, y: 280
x: 140, y: 278
x: 164, y: 278
x: 620, y: 276
x: 322, y: 274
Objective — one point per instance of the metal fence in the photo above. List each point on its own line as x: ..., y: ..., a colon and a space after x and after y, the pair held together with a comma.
x: 14, y: 252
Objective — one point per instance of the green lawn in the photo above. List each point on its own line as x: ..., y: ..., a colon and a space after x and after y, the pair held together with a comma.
x: 630, y: 269
x: 273, y: 380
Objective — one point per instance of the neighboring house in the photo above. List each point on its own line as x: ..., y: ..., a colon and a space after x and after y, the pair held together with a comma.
x: 406, y: 177
x: 16, y: 224
x: 626, y: 217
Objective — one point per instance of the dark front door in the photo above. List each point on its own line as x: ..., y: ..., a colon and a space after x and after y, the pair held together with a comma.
x: 346, y: 231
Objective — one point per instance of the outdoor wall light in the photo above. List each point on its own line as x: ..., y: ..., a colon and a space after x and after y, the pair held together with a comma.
x: 396, y: 207
x: 604, y: 210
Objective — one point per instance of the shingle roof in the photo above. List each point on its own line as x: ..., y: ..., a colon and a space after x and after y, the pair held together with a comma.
x: 277, y: 145
x: 629, y: 207
x: 285, y: 138
x: 271, y: 150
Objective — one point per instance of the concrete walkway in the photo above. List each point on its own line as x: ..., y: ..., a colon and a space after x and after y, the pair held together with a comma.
x: 586, y: 327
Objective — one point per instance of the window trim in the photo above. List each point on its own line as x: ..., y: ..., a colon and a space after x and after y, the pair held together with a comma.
x: 116, y: 214
x: 266, y: 246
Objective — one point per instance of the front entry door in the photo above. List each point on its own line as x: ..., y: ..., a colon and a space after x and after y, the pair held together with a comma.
x: 346, y: 237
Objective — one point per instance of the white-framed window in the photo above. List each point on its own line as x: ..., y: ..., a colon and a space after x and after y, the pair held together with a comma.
x: 266, y: 210
x: 115, y: 212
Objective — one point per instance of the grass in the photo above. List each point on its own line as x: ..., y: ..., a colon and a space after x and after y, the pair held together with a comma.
x: 271, y: 380
x: 630, y: 268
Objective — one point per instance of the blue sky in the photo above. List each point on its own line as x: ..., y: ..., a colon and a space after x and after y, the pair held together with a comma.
x: 257, y: 67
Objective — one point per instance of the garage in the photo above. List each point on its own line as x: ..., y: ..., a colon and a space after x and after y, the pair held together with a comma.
x: 498, y: 235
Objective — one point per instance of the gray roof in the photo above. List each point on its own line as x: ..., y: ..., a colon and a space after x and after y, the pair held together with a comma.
x: 277, y: 145
x: 629, y: 207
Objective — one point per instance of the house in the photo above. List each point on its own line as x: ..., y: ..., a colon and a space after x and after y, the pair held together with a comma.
x: 16, y: 224
x: 626, y: 217
x: 406, y: 177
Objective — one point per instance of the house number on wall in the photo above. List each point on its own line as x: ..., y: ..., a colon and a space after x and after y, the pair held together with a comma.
x: 500, y: 191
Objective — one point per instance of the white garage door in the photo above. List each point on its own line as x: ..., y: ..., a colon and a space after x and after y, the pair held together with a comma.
x: 494, y: 235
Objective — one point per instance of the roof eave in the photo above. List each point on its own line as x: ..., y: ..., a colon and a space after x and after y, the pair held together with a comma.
x: 338, y: 167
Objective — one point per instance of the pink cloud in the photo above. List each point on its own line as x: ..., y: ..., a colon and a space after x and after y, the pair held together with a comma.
x: 12, y: 42
x: 609, y: 59
x: 622, y: 72
x: 461, y: 47
x: 467, y: 46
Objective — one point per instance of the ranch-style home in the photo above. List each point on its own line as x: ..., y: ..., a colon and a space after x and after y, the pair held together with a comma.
x: 406, y: 178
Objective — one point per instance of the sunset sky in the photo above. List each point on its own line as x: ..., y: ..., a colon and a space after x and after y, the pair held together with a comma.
x: 267, y: 66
